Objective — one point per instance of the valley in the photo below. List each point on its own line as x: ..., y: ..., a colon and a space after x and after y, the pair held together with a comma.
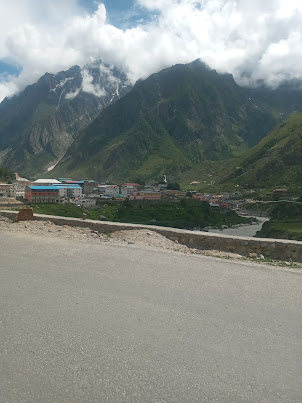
x: 187, y: 123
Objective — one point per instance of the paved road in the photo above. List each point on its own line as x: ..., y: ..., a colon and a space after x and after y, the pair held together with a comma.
x: 86, y: 322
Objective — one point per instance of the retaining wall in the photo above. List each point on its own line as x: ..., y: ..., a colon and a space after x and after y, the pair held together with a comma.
x: 269, y: 248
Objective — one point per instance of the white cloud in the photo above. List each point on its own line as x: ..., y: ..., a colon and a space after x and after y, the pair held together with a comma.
x: 88, y: 86
x: 72, y: 95
x: 253, y: 40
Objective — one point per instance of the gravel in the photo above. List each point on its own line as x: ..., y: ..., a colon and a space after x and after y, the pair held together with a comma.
x: 143, y: 238
x: 139, y: 238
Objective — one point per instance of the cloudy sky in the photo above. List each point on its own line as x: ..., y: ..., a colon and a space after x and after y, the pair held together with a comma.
x: 253, y: 40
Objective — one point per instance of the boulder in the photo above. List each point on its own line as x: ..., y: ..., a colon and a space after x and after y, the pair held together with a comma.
x: 25, y: 214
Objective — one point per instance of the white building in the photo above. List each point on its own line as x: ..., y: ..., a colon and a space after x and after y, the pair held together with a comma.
x: 19, y: 189
x: 70, y: 191
x: 84, y: 202
x: 7, y: 190
x: 46, y: 182
x: 110, y: 190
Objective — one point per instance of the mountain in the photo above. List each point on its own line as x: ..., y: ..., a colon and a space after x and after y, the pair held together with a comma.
x: 172, y: 122
x: 275, y: 161
x: 38, y: 125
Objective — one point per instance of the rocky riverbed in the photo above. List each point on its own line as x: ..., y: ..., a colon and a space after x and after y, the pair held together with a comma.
x: 249, y: 230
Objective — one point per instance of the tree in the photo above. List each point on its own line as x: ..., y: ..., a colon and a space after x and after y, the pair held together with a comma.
x: 173, y: 186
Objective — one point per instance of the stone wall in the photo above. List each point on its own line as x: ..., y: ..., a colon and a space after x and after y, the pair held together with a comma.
x: 269, y: 248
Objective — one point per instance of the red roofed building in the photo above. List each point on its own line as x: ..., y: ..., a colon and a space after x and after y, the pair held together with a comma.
x: 42, y: 194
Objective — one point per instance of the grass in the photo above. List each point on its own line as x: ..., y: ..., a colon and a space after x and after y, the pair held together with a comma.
x: 283, y: 229
x: 186, y: 214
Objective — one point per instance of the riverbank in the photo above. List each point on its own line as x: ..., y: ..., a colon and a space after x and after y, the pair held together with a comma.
x: 282, y: 229
x: 248, y: 230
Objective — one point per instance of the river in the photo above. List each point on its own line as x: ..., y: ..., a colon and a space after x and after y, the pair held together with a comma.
x: 248, y: 230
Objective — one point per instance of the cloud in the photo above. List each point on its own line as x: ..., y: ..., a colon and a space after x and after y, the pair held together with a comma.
x: 72, y: 95
x: 88, y: 86
x: 259, y: 40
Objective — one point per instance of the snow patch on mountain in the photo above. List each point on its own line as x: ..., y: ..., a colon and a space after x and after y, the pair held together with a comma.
x: 61, y: 83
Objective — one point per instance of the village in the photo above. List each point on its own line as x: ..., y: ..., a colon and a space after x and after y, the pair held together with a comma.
x: 88, y: 193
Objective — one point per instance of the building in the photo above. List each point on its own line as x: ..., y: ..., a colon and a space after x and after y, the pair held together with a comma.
x: 129, y: 188
x: 20, y: 188
x: 88, y: 186
x: 84, y: 202
x: 7, y: 190
x: 146, y: 195
x: 46, y: 182
x: 109, y: 190
x: 42, y: 194
x: 69, y: 191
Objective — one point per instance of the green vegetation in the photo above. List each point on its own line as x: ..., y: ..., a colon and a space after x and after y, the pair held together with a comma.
x: 171, y: 123
x: 186, y: 214
x: 283, y: 229
x: 275, y: 161
x: 286, y: 222
x: 6, y: 175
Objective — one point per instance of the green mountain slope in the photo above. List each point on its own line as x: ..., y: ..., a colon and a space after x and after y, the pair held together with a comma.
x: 275, y: 161
x: 169, y: 123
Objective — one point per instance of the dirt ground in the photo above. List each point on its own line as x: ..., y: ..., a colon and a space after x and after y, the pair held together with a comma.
x: 140, y: 238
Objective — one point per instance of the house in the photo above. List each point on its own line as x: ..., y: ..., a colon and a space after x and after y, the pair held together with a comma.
x: 84, y: 202
x: 129, y: 188
x: 42, y: 194
x: 69, y: 190
x: 20, y: 188
x: 109, y: 190
x: 88, y: 186
x: 146, y: 195
x: 7, y: 190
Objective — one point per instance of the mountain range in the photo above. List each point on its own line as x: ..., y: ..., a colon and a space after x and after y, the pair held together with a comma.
x: 38, y: 125
x: 169, y: 123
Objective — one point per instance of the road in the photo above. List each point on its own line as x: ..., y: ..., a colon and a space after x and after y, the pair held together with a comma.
x: 85, y: 322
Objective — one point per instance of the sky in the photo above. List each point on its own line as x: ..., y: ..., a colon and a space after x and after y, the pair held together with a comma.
x: 257, y: 40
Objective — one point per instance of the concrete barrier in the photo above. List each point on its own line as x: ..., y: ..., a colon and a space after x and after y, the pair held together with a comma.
x: 277, y: 249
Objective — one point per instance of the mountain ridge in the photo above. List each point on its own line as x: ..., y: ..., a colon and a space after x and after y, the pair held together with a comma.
x: 38, y: 125
x: 172, y: 121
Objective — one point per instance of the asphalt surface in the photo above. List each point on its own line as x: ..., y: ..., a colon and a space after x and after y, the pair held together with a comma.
x: 87, y: 322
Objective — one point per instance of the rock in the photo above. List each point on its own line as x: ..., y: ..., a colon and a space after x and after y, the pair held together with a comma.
x: 25, y: 214
x: 84, y: 216
x: 261, y: 257
x: 252, y: 255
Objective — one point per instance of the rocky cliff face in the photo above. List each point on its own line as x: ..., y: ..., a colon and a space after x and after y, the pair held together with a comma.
x: 38, y: 125
x: 90, y: 122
